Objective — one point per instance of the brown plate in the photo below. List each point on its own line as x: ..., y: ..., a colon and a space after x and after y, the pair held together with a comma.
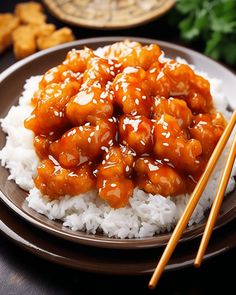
x: 11, y: 84
x: 108, y: 261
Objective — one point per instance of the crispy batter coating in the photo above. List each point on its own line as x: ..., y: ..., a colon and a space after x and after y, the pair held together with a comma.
x: 174, y: 107
x: 172, y: 145
x: 84, y: 143
x: 136, y: 133
x: 55, y: 180
x: 60, y: 36
x: 43, y: 29
x: 28, y: 31
x: 30, y: 13
x: 113, y: 181
x: 8, y: 23
x: 157, y: 178
x: 23, y: 41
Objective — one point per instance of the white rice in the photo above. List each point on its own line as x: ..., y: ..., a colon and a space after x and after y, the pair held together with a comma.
x: 144, y: 216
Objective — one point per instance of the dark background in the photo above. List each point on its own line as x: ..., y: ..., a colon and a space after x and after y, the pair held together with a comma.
x: 23, y: 273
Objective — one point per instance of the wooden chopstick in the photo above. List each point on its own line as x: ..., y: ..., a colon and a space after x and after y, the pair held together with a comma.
x: 183, y: 221
x: 216, y: 204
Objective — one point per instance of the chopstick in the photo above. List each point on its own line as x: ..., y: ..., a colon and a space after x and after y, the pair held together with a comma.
x: 216, y: 204
x: 183, y: 221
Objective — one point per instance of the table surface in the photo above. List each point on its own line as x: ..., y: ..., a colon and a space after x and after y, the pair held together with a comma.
x: 24, y: 273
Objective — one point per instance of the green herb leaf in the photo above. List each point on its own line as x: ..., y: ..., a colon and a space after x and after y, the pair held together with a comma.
x: 212, y: 22
x: 186, y: 6
x: 229, y: 53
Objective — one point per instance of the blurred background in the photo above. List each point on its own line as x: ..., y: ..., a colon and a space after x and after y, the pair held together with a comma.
x: 208, y: 26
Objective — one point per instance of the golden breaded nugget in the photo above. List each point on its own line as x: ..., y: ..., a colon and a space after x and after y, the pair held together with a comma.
x: 8, y: 23
x: 58, y: 37
x: 24, y: 42
x: 5, y: 18
x: 30, y: 13
x: 43, y: 30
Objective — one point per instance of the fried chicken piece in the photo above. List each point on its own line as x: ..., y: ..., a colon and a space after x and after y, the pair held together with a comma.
x: 132, y: 91
x: 208, y: 128
x: 49, y: 112
x: 113, y: 181
x: 133, y: 54
x: 54, y: 181
x: 88, y: 103
x: 8, y: 23
x: 30, y: 13
x: 172, y: 145
x: 180, y: 81
x: 174, y: 107
x: 43, y: 30
x: 76, y: 60
x: 23, y: 41
x: 136, y: 132
x: 83, y: 143
x: 157, y: 178
x: 60, y: 36
x: 100, y: 70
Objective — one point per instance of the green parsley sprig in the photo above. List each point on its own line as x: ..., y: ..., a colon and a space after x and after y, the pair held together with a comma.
x: 210, y: 21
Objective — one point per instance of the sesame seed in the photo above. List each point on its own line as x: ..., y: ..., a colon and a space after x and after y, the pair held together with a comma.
x: 142, y: 142
x: 117, y: 65
x: 71, y: 132
x: 104, y: 94
x: 124, y: 98
x: 167, y: 134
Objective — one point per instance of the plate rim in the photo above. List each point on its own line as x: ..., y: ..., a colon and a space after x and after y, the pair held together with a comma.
x: 37, y: 249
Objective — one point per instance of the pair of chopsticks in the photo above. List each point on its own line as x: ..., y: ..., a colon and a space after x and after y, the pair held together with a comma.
x: 183, y: 221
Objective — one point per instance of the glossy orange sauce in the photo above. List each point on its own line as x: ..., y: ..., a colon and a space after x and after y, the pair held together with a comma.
x: 126, y: 120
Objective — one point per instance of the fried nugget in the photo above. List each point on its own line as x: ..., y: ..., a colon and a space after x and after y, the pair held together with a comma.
x: 60, y: 36
x: 43, y: 29
x: 24, y: 42
x: 30, y: 13
x: 8, y: 23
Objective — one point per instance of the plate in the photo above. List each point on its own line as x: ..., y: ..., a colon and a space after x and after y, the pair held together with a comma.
x: 108, y: 14
x: 108, y: 261
x: 11, y: 85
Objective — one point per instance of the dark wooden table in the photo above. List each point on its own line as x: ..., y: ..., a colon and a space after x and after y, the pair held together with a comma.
x: 24, y: 273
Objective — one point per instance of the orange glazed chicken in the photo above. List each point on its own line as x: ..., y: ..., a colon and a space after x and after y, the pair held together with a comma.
x: 122, y: 119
